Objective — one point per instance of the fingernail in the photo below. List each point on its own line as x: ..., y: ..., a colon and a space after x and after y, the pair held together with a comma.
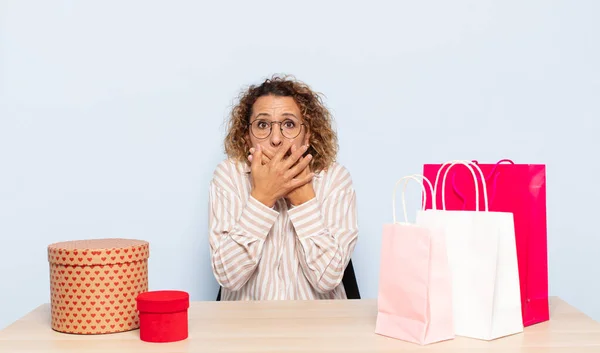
x: 252, y: 150
x: 309, y: 156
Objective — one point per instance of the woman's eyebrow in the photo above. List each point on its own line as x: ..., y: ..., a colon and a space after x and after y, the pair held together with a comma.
x: 290, y: 114
x: 268, y: 115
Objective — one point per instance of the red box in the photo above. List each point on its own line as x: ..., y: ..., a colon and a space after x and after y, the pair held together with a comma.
x: 163, y: 315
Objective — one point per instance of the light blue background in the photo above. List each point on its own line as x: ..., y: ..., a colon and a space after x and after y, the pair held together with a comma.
x: 111, y: 118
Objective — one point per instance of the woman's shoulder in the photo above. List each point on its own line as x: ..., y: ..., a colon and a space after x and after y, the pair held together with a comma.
x: 336, y: 175
x: 229, y: 169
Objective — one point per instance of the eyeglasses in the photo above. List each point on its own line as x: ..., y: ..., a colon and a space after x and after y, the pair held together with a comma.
x: 261, y: 129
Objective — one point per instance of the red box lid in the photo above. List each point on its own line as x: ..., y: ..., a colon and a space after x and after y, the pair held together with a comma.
x: 163, y: 301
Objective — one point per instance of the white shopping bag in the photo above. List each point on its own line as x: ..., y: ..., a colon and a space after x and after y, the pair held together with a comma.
x: 483, y: 261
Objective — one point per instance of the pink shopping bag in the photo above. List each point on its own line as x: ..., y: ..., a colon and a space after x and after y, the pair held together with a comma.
x: 414, y: 299
x: 521, y: 190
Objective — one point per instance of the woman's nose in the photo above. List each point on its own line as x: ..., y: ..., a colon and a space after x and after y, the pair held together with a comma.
x: 275, y: 136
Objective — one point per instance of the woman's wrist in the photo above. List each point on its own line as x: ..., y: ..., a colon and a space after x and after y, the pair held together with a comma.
x: 301, y: 195
x: 267, y: 201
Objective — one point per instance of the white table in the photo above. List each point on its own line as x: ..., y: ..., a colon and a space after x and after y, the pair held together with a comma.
x: 289, y: 326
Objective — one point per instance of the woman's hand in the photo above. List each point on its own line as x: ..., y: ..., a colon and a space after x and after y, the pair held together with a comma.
x: 279, y: 176
x: 302, y: 193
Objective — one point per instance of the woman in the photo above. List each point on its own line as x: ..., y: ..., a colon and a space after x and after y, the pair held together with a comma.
x: 282, y: 216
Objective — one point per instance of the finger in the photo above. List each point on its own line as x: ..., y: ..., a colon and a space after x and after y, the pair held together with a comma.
x: 295, y: 156
x: 250, y: 158
x: 283, y: 149
x: 299, y: 167
x: 268, y: 154
x: 256, y: 158
x: 265, y: 159
x: 301, y: 181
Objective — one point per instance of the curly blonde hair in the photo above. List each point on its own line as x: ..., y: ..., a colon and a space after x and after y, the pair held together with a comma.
x: 323, y: 139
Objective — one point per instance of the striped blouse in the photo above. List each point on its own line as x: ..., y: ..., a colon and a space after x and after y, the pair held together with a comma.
x: 284, y: 252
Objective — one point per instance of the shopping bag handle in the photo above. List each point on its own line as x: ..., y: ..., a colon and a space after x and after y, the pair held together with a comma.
x: 493, y: 193
x: 407, y: 178
x: 467, y: 164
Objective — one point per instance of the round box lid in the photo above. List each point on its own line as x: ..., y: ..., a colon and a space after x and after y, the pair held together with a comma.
x: 163, y: 301
x: 98, y: 251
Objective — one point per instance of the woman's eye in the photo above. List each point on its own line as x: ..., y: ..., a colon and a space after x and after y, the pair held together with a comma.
x: 263, y: 125
x: 289, y: 124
